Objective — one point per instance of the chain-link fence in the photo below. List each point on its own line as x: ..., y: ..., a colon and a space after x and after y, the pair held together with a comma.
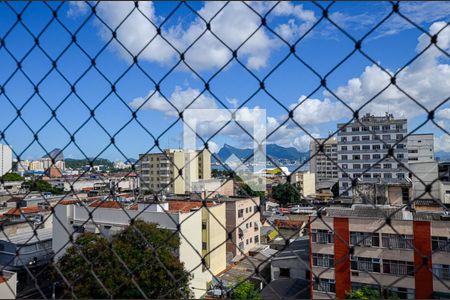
x: 370, y: 217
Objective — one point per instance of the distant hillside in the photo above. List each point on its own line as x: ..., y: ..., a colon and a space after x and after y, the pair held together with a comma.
x: 273, y: 151
x: 79, y: 163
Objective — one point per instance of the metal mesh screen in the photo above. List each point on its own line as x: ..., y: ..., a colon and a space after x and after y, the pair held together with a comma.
x: 60, y: 78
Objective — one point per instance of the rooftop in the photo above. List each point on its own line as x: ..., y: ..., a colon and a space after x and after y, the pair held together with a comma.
x: 188, y: 206
x: 22, y: 210
x: 29, y: 237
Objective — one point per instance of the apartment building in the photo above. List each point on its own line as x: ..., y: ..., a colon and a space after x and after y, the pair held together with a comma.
x: 243, y: 224
x: 361, y: 146
x: 350, y: 248
x: 5, y: 159
x: 200, y: 230
x: 420, y: 147
x: 323, y: 165
x: 305, y: 181
x: 174, y: 170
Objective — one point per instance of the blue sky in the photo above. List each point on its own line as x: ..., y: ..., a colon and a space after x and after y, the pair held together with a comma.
x: 392, y: 45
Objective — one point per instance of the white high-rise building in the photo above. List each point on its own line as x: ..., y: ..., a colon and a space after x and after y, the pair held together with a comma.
x: 5, y: 159
x: 421, y: 147
x: 361, y: 146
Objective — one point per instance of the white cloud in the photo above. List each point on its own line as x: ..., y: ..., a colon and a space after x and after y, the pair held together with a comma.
x: 234, y: 24
x: 77, y: 8
x: 213, y: 147
x: 179, y: 99
x: 442, y: 143
x: 427, y: 80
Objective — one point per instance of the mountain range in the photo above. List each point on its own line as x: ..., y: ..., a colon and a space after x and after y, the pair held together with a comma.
x: 274, y: 151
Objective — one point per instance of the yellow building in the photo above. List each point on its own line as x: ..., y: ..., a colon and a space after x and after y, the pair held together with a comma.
x: 174, y: 170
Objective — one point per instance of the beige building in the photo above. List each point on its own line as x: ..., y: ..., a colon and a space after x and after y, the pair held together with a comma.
x: 210, y: 188
x: 243, y: 224
x: 306, y: 181
x: 174, y: 170
x: 382, y: 259
x: 200, y: 232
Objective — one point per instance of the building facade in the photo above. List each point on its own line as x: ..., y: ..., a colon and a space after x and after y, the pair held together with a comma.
x: 323, y: 165
x: 243, y: 224
x: 201, y: 235
x: 364, y: 143
x: 174, y: 170
x: 385, y: 260
x: 305, y: 181
x: 5, y: 159
x: 420, y: 147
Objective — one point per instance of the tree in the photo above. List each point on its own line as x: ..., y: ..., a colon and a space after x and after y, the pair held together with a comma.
x: 286, y: 194
x: 364, y: 293
x: 43, y: 186
x: 11, y: 177
x: 245, y: 290
x: 145, y: 250
x: 246, y: 190
x: 335, y: 190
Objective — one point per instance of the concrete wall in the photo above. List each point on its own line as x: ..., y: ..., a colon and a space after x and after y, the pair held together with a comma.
x: 8, y: 285
x: 426, y: 172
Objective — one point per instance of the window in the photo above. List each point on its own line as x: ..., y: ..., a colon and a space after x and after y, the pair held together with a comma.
x: 386, y: 137
x: 203, y: 225
x: 440, y: 243
x: 401, y: 146
x: 355, y: 129
x: 240, y: 213
x: 376, y: 147
x: 356, y: 148
x: 365, y: 239
x: 343, y: 148
x: 366, y: 156
x: 355, y: 138
x: 204, y: 246
x: 323, y: 260
x: 400, y: 156
x: 365, y: 264
x: 397, y: 241
x: 322, y: 236
x: 256, y: 239
x: 441, y: 271
x: 387, y: 166
x: 365, y: 138
x: 344, y: 166
x: 399, y: 126
x: 325, y: 285
x: 365, y: 128
x: 400, y: 175
x: 366, y: 147
x: 399, y: 137
x: 246, y: 241
x: 387, y: 175
x: 397, y: 267
x: 344, y: 157
x: 366, y: 166
x: 376, y: 156
x: 386, y: 127
x: 376, y: 175
x: 413, y: 151
x: 356, y: 166
x: 246, y: 210
x: 344, y: 139
x: 375, y: 127
x: 285, y: 272
x: 356, y: 157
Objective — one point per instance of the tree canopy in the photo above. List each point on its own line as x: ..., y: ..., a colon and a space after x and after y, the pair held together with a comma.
x: 364, y: 293
x: 42, y: 186
x: 245, y: 290
x: 11, y: 177
x: 139, y: 262
x: 286, y: 194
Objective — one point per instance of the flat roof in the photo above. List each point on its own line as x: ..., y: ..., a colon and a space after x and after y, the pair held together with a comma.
x: 29, y: 237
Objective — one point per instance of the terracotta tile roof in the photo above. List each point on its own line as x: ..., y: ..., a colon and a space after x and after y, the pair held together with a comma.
x: 288, y: 224
x: 187, y: 206
x: 68, y: 202
x: 106, y: 204
x: 23, y: 210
